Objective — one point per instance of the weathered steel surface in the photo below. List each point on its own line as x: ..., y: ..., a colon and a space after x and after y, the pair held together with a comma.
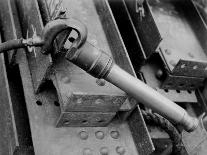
x: 182, y: 82
x: 8, y: 133
x: 142, y: 140
x: 150, y: 70
x: 49, y: 140
x: 31, y: 23
x: 183, y: 38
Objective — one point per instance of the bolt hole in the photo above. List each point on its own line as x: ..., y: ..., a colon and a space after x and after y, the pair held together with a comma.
x: 169, y: 84
x: 178, y: 91
x: 66, y: 122
x: 189, y: 91
x: 195, y: 67
x: 71, y: 39
x: 56, y: 103
x: 84, y: 121
x: 192, y: 86
x: 166, y: 90
x: 181, y: 85
x: 101, y: 121
x: 39, y: 103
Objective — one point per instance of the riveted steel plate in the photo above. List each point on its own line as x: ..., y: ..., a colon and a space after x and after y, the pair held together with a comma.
x: 150, y: 70
x: 143, y: 142
x: 182, y: 82
x: 78, y: 91
x: 191, y: 68
x: 31, y: 23
x: 8, y: 132
x: 78, y: 119
x: 183, y: 32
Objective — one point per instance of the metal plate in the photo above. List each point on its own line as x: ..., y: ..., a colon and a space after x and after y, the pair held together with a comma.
x: 195, y: 142
x: 49, y: 140
x: 78, y: 91
x: 31, y: 23
x: 182, y: 82
x: 183, y: 33
x: 139, y: 133
x: 91, y: 119
x: 191, y: 68
x: 149, y: 73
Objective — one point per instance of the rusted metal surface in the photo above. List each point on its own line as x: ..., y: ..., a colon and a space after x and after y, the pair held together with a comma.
x: 182, y: 82
x: 49, y: 140
x: 142, y: 140
x: 183, y: 40
x: 31, y: 24
x: 150, y: 70
x: 92, y: 119
x: 9, y: 139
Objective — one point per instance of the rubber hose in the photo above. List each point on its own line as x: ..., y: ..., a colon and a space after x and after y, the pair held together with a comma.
x: 11, y: 44
x: 163, y: 123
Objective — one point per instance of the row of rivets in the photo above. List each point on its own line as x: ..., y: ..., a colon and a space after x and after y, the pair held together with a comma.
x: 99, y: 135
x: 105, y: 151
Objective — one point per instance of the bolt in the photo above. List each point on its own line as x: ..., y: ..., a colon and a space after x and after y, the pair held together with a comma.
x: 104, y: 151
x: 159, y: 74
x: 120, y: 150
x: 100, y: 82
x: 191, y: 55
x: 83, y: 135
x: 173, y: 63
x: 168, y: 52
x: 87, y: 151
x: 115, y: 134
x: 99, y: 135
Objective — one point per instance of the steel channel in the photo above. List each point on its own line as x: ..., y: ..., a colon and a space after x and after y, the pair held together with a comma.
x: 9, y: 137
x: 9, y: 27
x: 31, y: 23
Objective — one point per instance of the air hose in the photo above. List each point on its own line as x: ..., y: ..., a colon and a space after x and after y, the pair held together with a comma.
x: 157, y: 120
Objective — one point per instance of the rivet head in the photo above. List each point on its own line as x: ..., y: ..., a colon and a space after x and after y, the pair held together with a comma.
x: 120, y: 150
x: 159, y: 74
x: 83, y: 135
x: 114, y: 134
x: 168, y: 52
x: 104, y: 151
x: 87, y: 151
x: 66, y: 122
x: 101, y: 82
x: 99, y: 135
x: 173, y: 63
x: 191, y: 55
